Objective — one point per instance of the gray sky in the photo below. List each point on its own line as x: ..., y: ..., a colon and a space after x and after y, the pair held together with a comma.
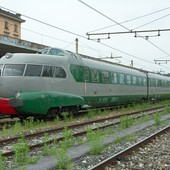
x: 73, y: 16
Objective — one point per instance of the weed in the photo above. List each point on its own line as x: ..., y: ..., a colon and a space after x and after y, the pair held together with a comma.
x: 2, y: 161
x: 21, y: 152
x: 65, y: 116
x: 118, y: 139
x: 56, y: 119
x: 157, y: 118
x: 166, y: 111
x: 91, y: 114
x: 29, y: 123
x: 17, y: 127
x: 63, y: 161
x: 96, y: 141
x: 46, y: 149
x: 130, y: 137
x: 68, y: 139
x: 126, y: 121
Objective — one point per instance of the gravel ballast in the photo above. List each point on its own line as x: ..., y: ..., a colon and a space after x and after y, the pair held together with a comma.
x: 81, y: 160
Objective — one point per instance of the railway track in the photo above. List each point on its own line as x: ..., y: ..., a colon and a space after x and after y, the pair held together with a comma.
x: 108, y: 163
x: 8, y: 122
x: 56, y: 132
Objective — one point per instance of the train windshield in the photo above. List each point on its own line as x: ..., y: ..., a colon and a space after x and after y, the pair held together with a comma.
x: 51, y: 51
x: 13, y: 70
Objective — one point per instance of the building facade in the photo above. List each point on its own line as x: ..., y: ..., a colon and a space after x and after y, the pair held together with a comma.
x: 10, y: 24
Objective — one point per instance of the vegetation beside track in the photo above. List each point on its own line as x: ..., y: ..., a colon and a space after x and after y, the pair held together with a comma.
x: 30, y: 125
x: 95, y: 139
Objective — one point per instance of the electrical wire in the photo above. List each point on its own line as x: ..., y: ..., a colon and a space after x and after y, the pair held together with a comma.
x: 61, y: 29
x: 45, y: 23
x: 44, y: 35
x: 103, y: 15
x: 124, y: 28
x: 151, y: 21
x: 142, y: 16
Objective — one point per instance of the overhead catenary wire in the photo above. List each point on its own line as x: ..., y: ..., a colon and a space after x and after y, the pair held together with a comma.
x: 120, y: 25
x: 139, y: 17
x: 70, y: 32
x: 151, y: 21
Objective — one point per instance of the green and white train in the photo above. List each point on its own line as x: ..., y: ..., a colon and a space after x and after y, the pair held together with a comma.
x: 57, y: 80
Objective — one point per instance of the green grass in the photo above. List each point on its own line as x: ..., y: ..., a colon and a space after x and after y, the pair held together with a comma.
x: 2, y: 161
x: 96, y: 141
x: 157, y: 118
x: 63, y: 161
x: 21, y: 149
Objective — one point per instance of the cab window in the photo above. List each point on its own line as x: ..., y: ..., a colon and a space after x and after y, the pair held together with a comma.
x: 33, y: 70
x: 59, y: 73
x: 48, y: 71
x: 13, y: 70
x: 55, y: 51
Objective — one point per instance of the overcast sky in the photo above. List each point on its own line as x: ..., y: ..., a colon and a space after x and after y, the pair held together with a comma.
x: 77, y: 19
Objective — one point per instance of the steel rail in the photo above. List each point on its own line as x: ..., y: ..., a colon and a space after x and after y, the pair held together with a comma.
x: 71, y: 126
x: 112, y: 160
x: 40, y: 144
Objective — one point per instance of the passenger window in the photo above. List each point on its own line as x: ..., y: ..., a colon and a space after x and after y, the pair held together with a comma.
x: 48, y: 71
x: 144, y: 81
x: 114, y: 78
x: 139, y: 81
x: 1, y: 66
x: 13, y: 70
x: 134, y: 80
x: 60, y: 73
x: 159, y: 83
x: 95, y: 75
x: 33, y: 70
x: 128, y: 79
x: 122, y: 79
x: 105, y: 77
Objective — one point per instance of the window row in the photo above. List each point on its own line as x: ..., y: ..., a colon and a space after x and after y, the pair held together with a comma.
x: 95, y: 76
x: 115, y: 78
x: 32, y: 70
x: 156, y: 82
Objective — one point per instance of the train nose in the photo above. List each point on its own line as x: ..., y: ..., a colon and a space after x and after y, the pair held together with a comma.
x: 2, y: 91
x: 6, y: 88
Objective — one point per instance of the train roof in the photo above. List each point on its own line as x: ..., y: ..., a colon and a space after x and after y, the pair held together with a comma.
x: 109, y: 65
x: 32, y: 58
x: 48, y: 56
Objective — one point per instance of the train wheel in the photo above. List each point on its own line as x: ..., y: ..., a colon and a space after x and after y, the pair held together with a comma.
x: 52, y: 113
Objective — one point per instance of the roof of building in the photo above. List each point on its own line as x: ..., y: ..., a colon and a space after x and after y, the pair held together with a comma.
x: 15, y: 45
x: 10, y: 15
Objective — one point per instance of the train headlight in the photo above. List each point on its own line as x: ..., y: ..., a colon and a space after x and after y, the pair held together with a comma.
x: 17, y: 94
x: 8, y: 55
